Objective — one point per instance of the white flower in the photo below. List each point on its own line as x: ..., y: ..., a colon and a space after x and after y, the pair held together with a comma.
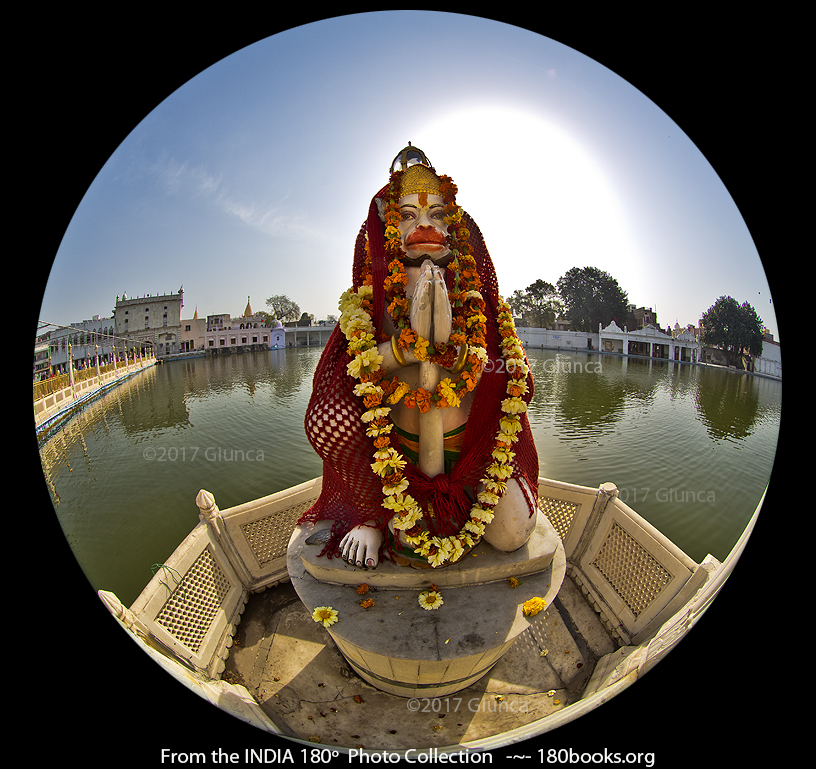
x: 479, y: 352
x: 355, y: 319
x: 361, y: 342
x: 503, y: 455
x: 397, y: 488
x: 367, y: 388
x: 372, y: 414
x: 487, y: 498
x: 387, y: 459
x: 514, y: 405
x: 481, y: 515
x: 507, y: 437
x: 326, y: 615
x: 498, y: 470
x: 408, y: 519
x: 518, y: 364
x: 510, y: 424
x: 375, y: 431
x: 437, y: 559
x: 430, y: 599
x: 425, y: 546
x: 349, y: 301
x: 414, y: 542
x: 398, y: 503
x: 456, y: 551
x: 369, y: 360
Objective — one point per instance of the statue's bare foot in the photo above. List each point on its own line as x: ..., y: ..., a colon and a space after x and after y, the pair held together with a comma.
x: 361, y: 547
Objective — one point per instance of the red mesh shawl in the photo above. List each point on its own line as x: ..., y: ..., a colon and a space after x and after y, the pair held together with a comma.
x: 352, y: 492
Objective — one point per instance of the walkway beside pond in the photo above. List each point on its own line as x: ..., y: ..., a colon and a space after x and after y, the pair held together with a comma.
x: 58, y: 397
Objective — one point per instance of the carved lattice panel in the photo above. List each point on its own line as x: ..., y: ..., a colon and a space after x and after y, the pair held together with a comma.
x: 188, y: 613
x: 560, y: 514
x: 632, y: 572
x: 268, y: 537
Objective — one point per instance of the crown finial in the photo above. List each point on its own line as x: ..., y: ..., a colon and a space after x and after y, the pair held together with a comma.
x: 409, y: 156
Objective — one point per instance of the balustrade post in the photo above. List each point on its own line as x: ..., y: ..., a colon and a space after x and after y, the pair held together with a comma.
x: 208, y: 511
x: 211, y: 515
x: 70, y: 365
x: 606, y: 493
x: 125, y: 615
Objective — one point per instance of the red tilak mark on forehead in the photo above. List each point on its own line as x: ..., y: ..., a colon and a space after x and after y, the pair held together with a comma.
x: 423, y: 198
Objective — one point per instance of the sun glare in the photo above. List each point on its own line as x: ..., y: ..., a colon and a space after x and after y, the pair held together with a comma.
x: 542, y: 202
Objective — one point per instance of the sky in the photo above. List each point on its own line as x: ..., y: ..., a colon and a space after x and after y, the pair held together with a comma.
x: 253, y: 178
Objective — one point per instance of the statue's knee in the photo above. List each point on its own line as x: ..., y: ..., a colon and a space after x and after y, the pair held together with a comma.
x: 512, y: 523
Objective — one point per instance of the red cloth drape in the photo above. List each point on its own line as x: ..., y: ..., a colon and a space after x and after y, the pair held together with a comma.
x: 352, y: 492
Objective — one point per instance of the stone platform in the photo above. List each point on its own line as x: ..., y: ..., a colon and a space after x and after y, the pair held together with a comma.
x: 405, y: 650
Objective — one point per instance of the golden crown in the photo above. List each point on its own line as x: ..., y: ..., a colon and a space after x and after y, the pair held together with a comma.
x: 418, y: 175
x: 418, y: 179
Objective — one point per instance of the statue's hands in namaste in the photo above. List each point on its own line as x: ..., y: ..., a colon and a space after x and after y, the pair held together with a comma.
x: 431, y: 312
x: 361, y: 546
x: 431, y: 318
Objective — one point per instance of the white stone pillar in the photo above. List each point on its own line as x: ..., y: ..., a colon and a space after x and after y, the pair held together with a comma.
x: 70, y: 365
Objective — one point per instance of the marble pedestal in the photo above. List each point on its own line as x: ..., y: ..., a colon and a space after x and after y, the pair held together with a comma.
x: 405, y: 650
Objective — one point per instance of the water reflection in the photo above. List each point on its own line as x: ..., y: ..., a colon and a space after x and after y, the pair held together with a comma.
x: 584, y: 394
x: 728, y: 405
x: 587, y: 393
x: 281, y: 373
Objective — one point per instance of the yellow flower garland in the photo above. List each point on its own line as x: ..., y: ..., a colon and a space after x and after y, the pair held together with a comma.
x: 468, y: 335
x: 357, y: 326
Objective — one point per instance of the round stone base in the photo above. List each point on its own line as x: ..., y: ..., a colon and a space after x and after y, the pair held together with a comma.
x: 403, y: 649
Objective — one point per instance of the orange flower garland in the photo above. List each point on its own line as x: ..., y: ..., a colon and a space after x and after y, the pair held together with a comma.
x: 468, y: 322
x: 468, y: 332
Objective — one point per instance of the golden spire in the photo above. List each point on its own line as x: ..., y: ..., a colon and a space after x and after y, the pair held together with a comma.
x: 248, y: 310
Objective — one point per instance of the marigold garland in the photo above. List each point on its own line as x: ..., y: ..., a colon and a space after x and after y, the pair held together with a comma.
x: 468, y: 328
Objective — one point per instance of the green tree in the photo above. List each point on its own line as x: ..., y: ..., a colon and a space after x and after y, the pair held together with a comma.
x: 269, y: 317
x: 538, y: 304
x: 734, y: 328
x: 591, y: 297
x: 283, y: 308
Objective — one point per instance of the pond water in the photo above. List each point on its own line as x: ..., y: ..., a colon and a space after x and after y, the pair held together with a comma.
x: 690, y: 448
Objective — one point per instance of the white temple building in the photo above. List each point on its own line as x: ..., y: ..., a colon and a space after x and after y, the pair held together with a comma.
x: 225, y: 334
x: 650, y: 342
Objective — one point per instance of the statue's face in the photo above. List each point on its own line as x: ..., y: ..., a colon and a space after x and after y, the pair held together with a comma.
x: 423, y: 227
